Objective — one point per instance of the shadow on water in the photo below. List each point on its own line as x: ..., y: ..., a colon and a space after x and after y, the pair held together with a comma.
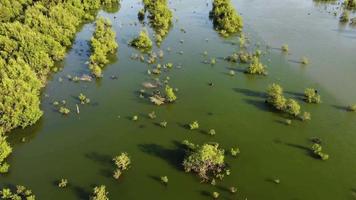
x: 260, y: 104
x: 342, y: 108
x: 81, y: 193
x: 307, y: 150
x: 173, y: 156
x: 250, y: 93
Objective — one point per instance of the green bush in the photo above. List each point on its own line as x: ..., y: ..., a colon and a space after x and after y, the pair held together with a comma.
x: 142, y: 42
x: 103, y: 44
x: 256, y: 67
x: 208, y: 161
x: 160, y: 17
x: 311, y: 95
x: 225, y: 18
x: 99, y: 193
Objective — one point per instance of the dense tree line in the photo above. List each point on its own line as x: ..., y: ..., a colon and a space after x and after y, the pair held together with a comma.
x: 103, y: 43
x: 34, y: 34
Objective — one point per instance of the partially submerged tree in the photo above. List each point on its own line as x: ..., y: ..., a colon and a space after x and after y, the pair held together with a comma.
x: 225, y: 18
x: 208, y: 161
x: 99, y: 193
x: 142, y: 42
x: 311, y: 95
x: 103, y: 44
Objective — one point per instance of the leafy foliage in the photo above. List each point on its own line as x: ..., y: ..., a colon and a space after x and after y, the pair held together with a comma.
x: 160, y: 17
x: 122, y: 163
x: 103, y: 43
x: 225, y: 18
x: 21, y: 193
x: 170, y: 96
x: 278, y: 101
x: 5, y: 151
x: 142, y: 42
x: 317, y: 150
x: 33, y: 36
x: 311, y: 95
x: 256, y: 67
x: 208, y: 161
x: 99, y: 193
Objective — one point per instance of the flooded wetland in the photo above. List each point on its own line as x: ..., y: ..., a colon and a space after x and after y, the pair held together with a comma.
x: 187, y: 108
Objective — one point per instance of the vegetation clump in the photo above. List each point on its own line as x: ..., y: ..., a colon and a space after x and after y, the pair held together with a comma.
x: 83, y: 99
x: 208, y: 161
x: 63, y: 110
x: 256, y: 67
x: 122, y: 162
x: 164, y: 180
x: 142, y: 42
x: 20, y: 193
x: 285, y: 48
x: 344, y: 17
x: 234, y: 151
x: 99, y: 193
x: 103, y: 43
x: 350, y: 4
x: 160, y: 17
x: 194, y: 125
x: 317, y: 150
x: 278, y: 101
x: 311, y: 95
x: 225, y: 18
x: 352, y: 108
x: 63, y: 183
x: 304, y: 61
x: 170, y: 95
x: 5, y: 151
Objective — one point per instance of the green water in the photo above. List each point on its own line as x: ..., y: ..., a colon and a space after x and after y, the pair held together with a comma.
x: 80, y: 147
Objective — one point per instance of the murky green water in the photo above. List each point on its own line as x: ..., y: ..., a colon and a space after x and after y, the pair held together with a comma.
x: 80, y: 147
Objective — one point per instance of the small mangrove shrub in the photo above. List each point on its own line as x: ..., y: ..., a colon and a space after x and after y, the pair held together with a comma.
x: 99, y: 193
x: 102, y: 43
x: 279, y: 102
x: 285, y: 48
x: 170, y: 95
x: 142, y: 42
x: 122, y: 163
x: 256, y: 67
x: 164, y: 180
x: 20, y: 192
x: 63, y: 183
x: 226, y: 20
x: 83, y: 99
x: 311, y: 95
x: 194, y: 125
x: 207, y: 161
x: 352, y: 108
x: 317, y: 150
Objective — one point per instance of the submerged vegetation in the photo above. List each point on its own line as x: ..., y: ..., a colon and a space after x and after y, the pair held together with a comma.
x: 21, y: 193
x: 103, y: 43
x: 225, y: 18
x: 160, y: 17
